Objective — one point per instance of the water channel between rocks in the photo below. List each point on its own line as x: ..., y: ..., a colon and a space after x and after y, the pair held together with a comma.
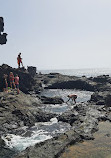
x: 100, y: 147
x: 45, y: 130
x: 83, y: 96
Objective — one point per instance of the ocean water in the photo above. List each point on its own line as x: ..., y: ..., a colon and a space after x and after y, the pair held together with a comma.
x: 80, y: 72
x: 35, y: 134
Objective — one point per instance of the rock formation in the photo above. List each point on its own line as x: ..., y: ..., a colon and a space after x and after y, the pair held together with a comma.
x: 25, y: 109
x: 53, y: 100
x: 32, y: 70
x: 27, y: 82
x: 83, y: 118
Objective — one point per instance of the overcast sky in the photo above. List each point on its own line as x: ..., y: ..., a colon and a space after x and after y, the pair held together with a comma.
x: 57, y: 34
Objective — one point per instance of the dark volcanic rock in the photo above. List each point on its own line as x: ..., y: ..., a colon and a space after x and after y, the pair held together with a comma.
x: 58, y: 81
x: 101, y: 79
x: 103, y: 83
x: 101, y: 98
x: 77, y: 84
x: 51, y: 148
x: 19, y: 110
x: 108, y: 100
x: 32, y: 70
x: 69, y: 117
x: 4, y: 151
x: 53, y: 100
x: 82, y: 128
x: 27, y: 82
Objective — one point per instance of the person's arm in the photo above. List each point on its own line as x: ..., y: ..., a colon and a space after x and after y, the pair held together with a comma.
x: 6, y: 83
x: 68, y: 100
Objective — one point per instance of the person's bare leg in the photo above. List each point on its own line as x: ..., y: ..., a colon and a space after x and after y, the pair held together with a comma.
x: 18, y: 65
x: 11, y: 85
x: 22, y: 64
x: 75, y: 101
x: 17, y: 90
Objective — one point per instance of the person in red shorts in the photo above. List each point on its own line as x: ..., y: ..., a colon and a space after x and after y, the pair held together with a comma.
x: 73, y: 97
x: 19, y: 60
x: 11, y: 77
x: 17, y: 83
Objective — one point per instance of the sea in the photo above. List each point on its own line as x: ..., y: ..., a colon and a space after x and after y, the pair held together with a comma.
x: 92, y: 72
x: 46, y: 130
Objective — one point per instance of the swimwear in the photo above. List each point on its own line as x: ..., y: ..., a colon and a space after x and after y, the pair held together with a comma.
x: 11, y: 78
x: 16, y: 80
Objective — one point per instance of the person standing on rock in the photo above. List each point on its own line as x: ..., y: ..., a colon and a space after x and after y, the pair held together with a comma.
x: 19, y: 60
x: 73, y: 97
x: 11, y: 77
x: 17, y: 83
x: 5, y: 83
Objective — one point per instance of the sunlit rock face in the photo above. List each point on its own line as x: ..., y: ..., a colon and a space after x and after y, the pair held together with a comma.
x: 3, y: 36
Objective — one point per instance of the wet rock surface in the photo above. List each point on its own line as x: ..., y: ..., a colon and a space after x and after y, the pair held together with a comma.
x: 53, y: 100
x: 83, y: 117
x: 25, y: 109
x: 20, y: 110
x: 51, y: 148
x: 83, y: 126
x: 4, y: 151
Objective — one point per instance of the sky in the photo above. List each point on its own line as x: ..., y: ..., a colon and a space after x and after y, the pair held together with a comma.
x: 57, y: 34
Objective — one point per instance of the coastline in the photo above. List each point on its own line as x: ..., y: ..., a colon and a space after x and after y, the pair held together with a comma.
x: 24, y: 109
x: 91, y: 72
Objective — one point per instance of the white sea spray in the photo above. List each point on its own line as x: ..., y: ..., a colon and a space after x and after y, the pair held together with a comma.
x: 21, y: 143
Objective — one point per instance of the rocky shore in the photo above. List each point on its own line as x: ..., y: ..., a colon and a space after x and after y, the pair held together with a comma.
x: 17, y: 111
